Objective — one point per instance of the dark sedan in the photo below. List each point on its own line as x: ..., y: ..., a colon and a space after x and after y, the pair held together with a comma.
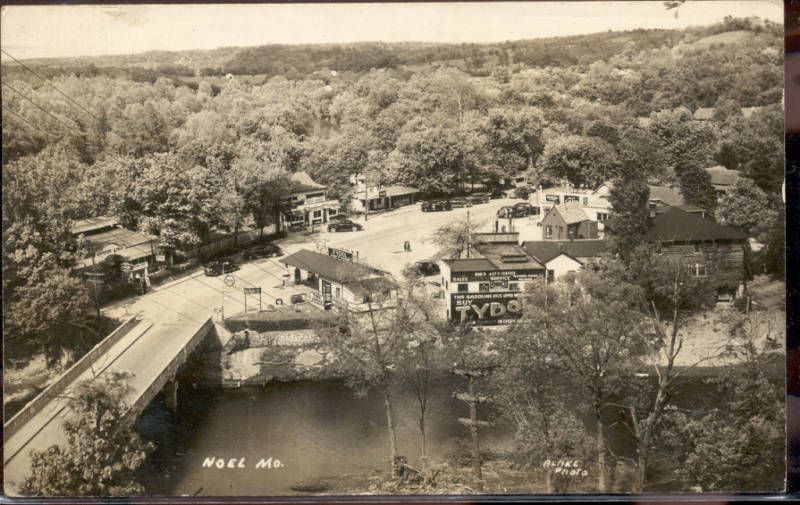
x: 505, y: 212
x: 524, y: 209
x: 344, y: 225
x: 436, y: 206
x: 215, y: 268
x: 426, y: 268
x: 479, y: 198
x: 457, y: 203
x: 262, y: 251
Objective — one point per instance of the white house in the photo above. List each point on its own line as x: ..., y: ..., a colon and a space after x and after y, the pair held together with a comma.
x: 309, y: 203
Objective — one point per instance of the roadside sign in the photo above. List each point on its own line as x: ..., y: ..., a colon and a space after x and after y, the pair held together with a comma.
x: 381, y: 194
x: 252, y: 291
x: 126, y: 267
x: 340, y: 254
x: 161, y: 258
x: 230, y: 280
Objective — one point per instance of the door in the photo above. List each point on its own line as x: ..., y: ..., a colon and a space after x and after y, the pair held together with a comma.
x: 327, y: 301
x: 297, y: 277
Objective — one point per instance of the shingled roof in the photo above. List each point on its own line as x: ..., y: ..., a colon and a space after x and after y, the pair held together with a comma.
x: 571, y: 213
x: 675, y: 225
x: 302, y: 182
x: 546, y: 250
x: 345, y: 272
x: 721, y: 176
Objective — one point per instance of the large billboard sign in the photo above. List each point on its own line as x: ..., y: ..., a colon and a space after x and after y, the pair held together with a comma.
x: 340, y: 254
x: 486, y: 309
x: 498, y: 276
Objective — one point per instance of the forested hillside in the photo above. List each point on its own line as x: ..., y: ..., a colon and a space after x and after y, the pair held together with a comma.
x: 177, y: 153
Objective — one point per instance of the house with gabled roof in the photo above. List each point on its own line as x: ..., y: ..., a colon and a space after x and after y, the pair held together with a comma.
x: 308, y: 203
x: 563, y: 257
x: 723, y: 178
x: 565, y: 222
x: 705, y: 246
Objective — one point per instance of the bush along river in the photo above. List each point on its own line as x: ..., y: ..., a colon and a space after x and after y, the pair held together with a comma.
x: 293, y: 429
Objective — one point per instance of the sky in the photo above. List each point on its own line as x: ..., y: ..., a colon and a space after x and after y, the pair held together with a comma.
x: 91, y: 30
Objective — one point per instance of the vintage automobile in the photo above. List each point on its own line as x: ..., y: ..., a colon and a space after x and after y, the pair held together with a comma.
x: 479, y: 198
x: 344, y: 225
x: 262, y: 251
x: 522, y: 193
x: 219, y: 267
x: 457, y: 203
x: 426, y: 268
x: 505, y: 212
x: 436, y: 206
x: 524, y: 209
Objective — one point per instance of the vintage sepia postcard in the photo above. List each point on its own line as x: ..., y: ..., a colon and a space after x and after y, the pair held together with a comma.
x: 393, y: 249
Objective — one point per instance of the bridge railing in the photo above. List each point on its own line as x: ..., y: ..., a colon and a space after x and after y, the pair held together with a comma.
x: 169, y: 372
x: 67, y: 378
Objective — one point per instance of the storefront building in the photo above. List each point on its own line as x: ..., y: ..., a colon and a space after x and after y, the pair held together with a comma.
x: 338, y: 282
x: 308, y: 203
x: 486, y: 288
x: 103, y: 237
x: 382, y: 197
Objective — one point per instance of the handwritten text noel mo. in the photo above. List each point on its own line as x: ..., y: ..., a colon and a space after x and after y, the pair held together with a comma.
x: 214, y: 462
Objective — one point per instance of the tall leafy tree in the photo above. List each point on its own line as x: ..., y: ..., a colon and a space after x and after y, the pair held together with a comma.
x: 627, y: 225
x: 696, y: 187
x: 744, y: 205
x: 580, y: 160
x: 100, y: 453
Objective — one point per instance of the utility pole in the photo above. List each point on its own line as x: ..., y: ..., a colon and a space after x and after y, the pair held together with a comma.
x: 469, y: 236
x: 366, y: 199
x: 472, y: 422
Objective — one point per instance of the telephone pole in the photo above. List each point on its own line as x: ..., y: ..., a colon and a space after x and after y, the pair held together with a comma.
x: 471, y: 399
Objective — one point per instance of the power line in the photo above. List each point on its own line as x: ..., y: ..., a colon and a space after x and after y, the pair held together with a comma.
x: 28, y: 123
x: 49, y: 83
x: 24, y: 96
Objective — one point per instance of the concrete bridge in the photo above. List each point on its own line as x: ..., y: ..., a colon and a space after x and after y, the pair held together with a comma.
x: 151, y: 353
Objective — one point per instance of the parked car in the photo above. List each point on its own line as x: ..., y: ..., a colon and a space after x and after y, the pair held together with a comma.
x: 457, y: 203
x: 426, y: 268
x: 436, y: 206
x: 523, y: 209
x: 215, y: 268
x: 505, y: 212
x: 523, y: 193
x: 344, y: 225
x: 479, y: 198
x: 297, y: 298
x: 262, y: 251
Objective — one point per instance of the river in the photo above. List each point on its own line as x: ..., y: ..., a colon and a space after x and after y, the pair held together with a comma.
x: 316, y: 430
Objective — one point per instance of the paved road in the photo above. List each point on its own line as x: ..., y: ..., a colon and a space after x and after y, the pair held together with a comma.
x: 171, y: 314
x: 381, y: 241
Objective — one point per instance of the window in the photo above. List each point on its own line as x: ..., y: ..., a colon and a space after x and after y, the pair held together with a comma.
x: 585, y: 201
x: 698, y: 270
x: 560, y: 231
x: 338, y: 292
x: 463, y: 288
x: 513, y: 286
x: 317, y: 213
x: 549, y: 233
x: 602, y: 216
x: 483, y: 287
